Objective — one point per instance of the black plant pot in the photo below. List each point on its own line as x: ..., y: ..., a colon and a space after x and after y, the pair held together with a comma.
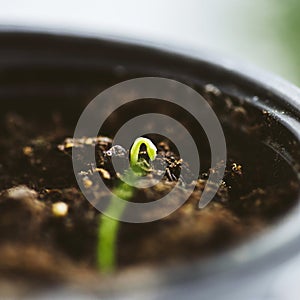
x: 62, y: 70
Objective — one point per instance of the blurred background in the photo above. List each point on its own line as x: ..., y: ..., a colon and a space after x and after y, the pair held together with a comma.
x: 264, y: 33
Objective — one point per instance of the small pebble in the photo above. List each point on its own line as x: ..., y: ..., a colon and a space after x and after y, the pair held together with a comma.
x: 28, y: 151
x: 59, y: 209
x: 89, y: 141
x: 105, y: 174
x: 116, y: 150
x: 87, y: 182
x: 21, y: 192
x: 236, y: 168
x: 69, y: 145
x: 212, y: 89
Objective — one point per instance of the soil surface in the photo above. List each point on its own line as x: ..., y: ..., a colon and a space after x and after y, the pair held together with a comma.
x: 48, y: 230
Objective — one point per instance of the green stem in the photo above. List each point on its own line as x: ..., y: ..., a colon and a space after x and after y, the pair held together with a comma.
x: 108, y: 229
x: 107, y: 245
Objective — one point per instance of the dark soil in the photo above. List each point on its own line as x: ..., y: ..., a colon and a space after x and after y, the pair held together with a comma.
x: 36, y: 172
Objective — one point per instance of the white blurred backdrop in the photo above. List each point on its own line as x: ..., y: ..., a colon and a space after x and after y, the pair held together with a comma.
x: 254, y: 30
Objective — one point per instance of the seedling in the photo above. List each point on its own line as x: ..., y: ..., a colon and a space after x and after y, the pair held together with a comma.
x: 135, y: 150
x: 108, y: 227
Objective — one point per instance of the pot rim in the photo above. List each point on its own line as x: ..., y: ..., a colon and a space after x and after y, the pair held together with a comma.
x: 254, y: 255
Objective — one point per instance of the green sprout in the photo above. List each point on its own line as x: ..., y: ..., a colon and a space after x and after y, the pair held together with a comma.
x: 108, y: 227
x: 135, y: 150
